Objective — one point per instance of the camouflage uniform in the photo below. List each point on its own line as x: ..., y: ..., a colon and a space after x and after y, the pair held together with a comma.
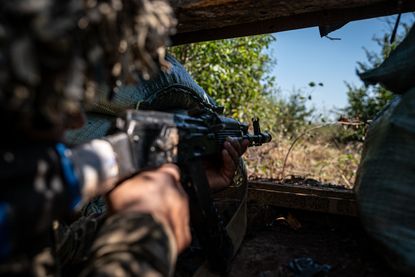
x: 128, y: 244
x: 45, y: 76
x: 123, y: 245
x: 176, y: 91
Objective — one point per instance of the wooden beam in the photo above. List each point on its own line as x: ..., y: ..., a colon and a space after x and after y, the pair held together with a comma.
x: 202, y: 20
x: 320, y: 199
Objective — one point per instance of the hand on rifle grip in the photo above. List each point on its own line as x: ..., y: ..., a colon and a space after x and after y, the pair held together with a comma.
x: 221, y: 177
x: 159, y: 193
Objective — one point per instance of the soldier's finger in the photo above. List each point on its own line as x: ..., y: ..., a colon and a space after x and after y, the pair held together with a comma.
x: 235, y: 144
x: 229, y: 163
x: 244, y: 145
x: 232, y: 152
x: 181, y: 189
x: 171, y: 169
x: 180, y: 225
x: 187, y: 237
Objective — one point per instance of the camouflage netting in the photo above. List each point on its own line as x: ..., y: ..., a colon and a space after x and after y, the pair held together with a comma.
x: 385, y: 184
x: 55, y: 55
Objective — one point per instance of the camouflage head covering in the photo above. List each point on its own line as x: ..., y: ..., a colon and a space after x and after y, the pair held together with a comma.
x: 55, y: 55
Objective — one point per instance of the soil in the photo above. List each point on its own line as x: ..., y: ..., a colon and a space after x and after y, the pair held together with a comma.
x: 276, y: 237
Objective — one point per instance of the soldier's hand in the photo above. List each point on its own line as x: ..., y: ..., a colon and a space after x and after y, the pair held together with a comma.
x: 221, y: 177
x: 160, y: 193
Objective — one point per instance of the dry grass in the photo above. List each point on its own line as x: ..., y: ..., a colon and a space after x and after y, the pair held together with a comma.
x: 311, y: 157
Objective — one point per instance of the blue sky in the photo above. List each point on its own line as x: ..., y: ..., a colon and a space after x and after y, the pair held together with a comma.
x: 303, y: 56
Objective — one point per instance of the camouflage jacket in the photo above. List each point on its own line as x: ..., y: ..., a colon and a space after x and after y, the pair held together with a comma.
x: 123, y: 245
x: 94, y: 244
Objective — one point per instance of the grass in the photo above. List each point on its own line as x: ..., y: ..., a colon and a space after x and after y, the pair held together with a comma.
x: 315, y: 153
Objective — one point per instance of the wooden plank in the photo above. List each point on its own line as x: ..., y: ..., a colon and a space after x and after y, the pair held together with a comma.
x: 320, y: 199
x: 202, y: 20
x: 321, y: 190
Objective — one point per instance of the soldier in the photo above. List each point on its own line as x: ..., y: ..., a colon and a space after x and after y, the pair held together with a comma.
x: 47, y: 78
x: 170, y: 91
x: 54, y: 56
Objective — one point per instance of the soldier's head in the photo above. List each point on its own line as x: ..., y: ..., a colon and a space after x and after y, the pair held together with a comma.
x: 55, y: 55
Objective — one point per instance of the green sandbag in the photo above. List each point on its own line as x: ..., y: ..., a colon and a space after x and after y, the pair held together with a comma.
x: 397, y: 72
x: 385, y: 183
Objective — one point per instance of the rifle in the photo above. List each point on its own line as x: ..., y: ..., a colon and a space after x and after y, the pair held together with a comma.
x: 142, y: 140
x: 148, y: 139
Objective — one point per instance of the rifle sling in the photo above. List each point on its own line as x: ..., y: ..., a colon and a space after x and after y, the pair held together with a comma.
x: 236, y: 229
x: 206, y: 220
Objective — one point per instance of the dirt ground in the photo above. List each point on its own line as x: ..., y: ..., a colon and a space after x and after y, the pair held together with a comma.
x: 276, y: 237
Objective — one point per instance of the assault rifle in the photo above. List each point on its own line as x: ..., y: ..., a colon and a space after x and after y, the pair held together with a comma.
x: 147, y: 139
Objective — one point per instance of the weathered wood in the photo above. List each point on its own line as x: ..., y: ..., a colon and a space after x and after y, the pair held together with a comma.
x: 320, y: 199
x: 320, y: 190
x: 201, y: 20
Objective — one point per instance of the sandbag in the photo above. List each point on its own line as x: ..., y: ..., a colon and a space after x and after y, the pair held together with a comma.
x: 385, y: 183
x: 397, y: 72
x: 172, y: 90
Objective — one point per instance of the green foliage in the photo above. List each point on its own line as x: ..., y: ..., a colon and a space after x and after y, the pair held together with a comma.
x: 293, y: 113
x: 313, y: 84
x: 364, y: 102
x: 235, y: 72
x: 232, y: 71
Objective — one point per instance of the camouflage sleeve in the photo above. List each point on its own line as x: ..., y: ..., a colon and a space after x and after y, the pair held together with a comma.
x: 73, y: 242
x: 132, y: 244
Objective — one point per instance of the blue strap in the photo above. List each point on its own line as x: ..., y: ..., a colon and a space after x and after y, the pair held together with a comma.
x: 5, y: 240
x: 69, y: 175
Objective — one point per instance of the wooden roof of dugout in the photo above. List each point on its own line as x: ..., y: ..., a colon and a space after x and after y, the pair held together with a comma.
x: 202, y: 20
